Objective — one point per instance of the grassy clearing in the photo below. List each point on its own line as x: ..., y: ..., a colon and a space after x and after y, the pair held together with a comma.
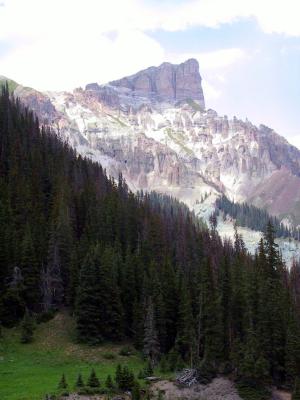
x: 29, y: 371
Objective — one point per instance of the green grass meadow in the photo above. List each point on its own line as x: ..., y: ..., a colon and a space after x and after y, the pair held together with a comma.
x: 29, y: 371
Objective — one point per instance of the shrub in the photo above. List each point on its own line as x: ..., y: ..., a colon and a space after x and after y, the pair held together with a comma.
x: 253, y: 392
x: 136, y: 393
x: 163, y: 365
x: 109, y: 356
x: 126, y: 351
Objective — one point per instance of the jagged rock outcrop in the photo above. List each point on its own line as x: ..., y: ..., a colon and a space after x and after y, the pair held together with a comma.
x: 152, y: 126
x: 168, y: 82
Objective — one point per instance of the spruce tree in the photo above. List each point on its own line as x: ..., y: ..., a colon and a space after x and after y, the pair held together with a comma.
x: 93, y: 381
x: 110, y: 310
x: 30, y: 271
x: 62, y: 383
x: 109, y: 382
x: 27, y: 328
x: 186, y: 334
x: 88, y: 305
x: 79, y: 381
x: 296, y: 390
x: 151, y: 343
x: 118, y: 375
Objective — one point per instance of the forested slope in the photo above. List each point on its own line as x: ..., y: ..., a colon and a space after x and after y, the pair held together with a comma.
x: 140, y: 268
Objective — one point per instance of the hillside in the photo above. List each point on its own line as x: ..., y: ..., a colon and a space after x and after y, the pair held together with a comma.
x: 154, y: 128
x: 30, y: 371
x: 135, y: 268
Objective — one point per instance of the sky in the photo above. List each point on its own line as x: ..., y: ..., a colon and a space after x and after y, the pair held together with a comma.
x: 248, y: 50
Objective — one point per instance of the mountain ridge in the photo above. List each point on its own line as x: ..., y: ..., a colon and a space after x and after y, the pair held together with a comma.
x: 172, y: 144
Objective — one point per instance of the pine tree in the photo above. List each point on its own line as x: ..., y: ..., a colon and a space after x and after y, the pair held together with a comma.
x: 111, y: 311
x: 88, y: 305
x: 62, y: 383
x: 79, y: 381
x: 127, y: 381
x: 296, y: 391
x: 30, y: 271
x: 93, y: 381
x: 27, y: 328
x: 186, y: 335
x: 151, y: 343
x: 109, y: 382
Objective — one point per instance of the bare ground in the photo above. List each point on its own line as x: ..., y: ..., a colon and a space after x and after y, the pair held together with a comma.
x: 218, y: 389
x: 281, y: 395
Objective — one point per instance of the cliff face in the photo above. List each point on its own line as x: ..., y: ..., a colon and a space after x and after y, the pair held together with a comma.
x: 153, y: 127
x: 167, y: 83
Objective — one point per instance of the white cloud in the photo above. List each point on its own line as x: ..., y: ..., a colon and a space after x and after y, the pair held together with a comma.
x: 273, y: 16
x: 214, y: 68
x: 65, y: 43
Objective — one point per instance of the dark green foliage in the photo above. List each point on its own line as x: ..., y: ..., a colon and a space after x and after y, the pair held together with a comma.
x: 136, y: 391
x: 148, y: 371
x: 253, y: 392
x: 93, y: 381
x: 175, y: 361
x: 62, y: 383
x: 151, y: 343
x: 79, y: 382
x: 124, y: 378
x: 88, y: 305
x: 254, y: 218
x: 126, y: 351
x: 163, y: 365
x: 109, y: 382
x: 296, y: 390
x: 138, y: 267
x: 27, y: 328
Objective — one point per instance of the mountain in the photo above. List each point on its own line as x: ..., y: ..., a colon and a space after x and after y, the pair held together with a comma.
x: 135, y: 269
x: 153, y: 127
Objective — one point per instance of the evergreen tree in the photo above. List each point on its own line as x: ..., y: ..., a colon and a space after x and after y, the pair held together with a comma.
x: 186, y: 335
x: 88, y: 306
x: 30, y: 271
x: 109, y: 382
x: 151, y: 343
x: 27, y: 328
x: 62, y: 383
x: 296, y: 391
x: 93, y: 381
x: 111, y: 311
x: 79, y: 382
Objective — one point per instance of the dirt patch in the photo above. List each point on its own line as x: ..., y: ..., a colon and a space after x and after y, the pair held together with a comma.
x: 218, y: 389
x: 281, y: 395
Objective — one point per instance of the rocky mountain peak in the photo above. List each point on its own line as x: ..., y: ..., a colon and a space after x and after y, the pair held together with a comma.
x: 167, y: 82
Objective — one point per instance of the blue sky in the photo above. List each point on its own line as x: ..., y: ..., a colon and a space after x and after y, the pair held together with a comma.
x: 248, y: 51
